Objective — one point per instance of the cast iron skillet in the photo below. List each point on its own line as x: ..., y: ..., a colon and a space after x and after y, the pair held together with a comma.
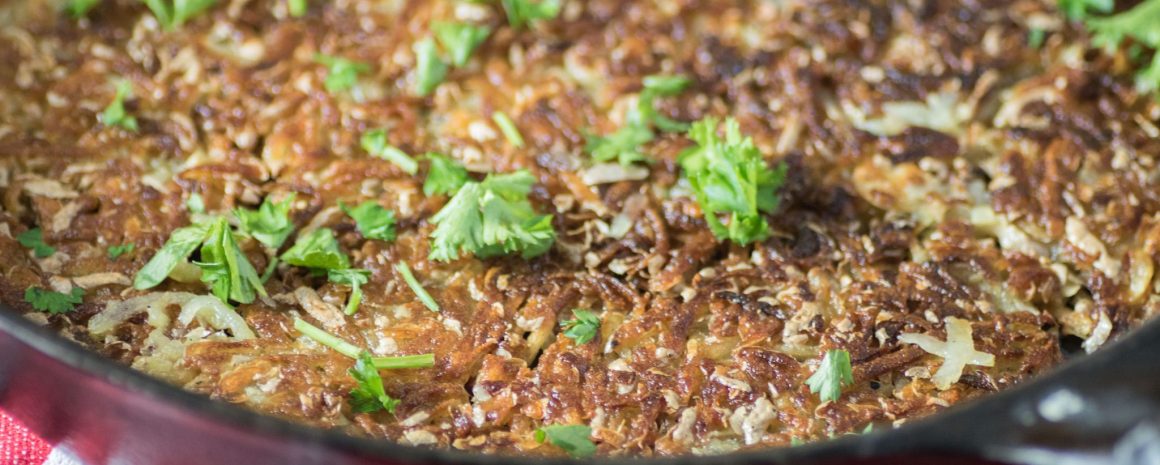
x: 1097, y: 409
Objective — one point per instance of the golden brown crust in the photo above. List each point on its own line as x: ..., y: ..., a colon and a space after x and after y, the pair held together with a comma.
x: 1028, y: 207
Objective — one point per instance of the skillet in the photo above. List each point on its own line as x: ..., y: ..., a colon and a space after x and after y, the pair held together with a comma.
x: 1102, y: 408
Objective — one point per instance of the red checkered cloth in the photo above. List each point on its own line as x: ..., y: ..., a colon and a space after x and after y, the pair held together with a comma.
x: 18, y: 446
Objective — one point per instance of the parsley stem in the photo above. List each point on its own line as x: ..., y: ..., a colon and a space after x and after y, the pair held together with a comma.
x: 417, y: 288
x: 404, y: 361
x: 509, y: 129
x: 266, y: 275
x: 326, y: 339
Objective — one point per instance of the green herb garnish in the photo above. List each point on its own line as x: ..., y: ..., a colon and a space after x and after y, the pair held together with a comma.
x: 373, y: 221
x: 34, y: 240
x: 573, y: 439
x: 318, y: 250
x: 369, y: 396
x: 173, y: 13
x: 430, y: 70
x: 460, y: 39
x: 115, y: 114
x: 270, y: 224
x: 115, y: 251
x: 833, y: 373
x: 524, y: 12
x: 444, y: 175
x: 731, y: 181
x: 80, y: 8
x: 375, y: 143
x: 508, y: 128
x: 416, y: 287
x: 53, y: 302
x: 583, y: 328
x: 354, y: 278
x: 341, y: 73
x: 491, y: 218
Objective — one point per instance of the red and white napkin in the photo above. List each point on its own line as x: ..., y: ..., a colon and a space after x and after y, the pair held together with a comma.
x: 20, y: 447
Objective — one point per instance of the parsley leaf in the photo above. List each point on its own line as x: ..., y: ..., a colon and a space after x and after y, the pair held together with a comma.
x: 115, y: 251
x: 341, y: 73
x: 523, y: 12
x: 319, y: 250
x: 430, y: 70
x: 659, y: 86
x: 374, y: 221
x: 1078, y: 9
x: 1140, y: 24
x: 114, y: 114
x: 355, y: 279
x: 375, y: 143
x: 582, y: 328
x: 460, y: 39
x: 416, y: 287
x: 369, y: 396
x: 444, y: 175
x: 833, y: 373
x: 182, y: 242
x: 491, y: 218
x: 573, y: 439
x: 33, y: 239
x: 225, y: 267
x: 53, y: 302
x: 297, y: 8
x: 730, y: 178
x: 508, y: 128
x: 80, y: 8
x: 624, y: 144
x: 174, y: 13
x: 270, y: 224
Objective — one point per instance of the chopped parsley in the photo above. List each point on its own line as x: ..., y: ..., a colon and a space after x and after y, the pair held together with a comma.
x: 624, y: 144
x: 53, y: 302
x: 460, y: 39
x: 115, y: 114
x: 341, y: 73
x: 375, y: 143
x: 318, y: 250
x: 524, y: 12
x: 225, y: 268
x: 115, y: 251
x: 1142, y: 25
x: 583, y: 328
x: 182, y: 242
x: 270, y: 224
x: 573, y: 439
x: 297, y: 8
x: 416, y: 287
x: 444, y: 175
x: 731, y: 181
x: 354, y: 278
x: 1078, y: 9
x: 430, y: 70
x: 34, y: 240
x: 173, y: 13
x: 368, y: 395
x: 833, y: 373
x: 508, y: 128
x: 490, y: 218
x: 80, y: 8
x: 373, y: 221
